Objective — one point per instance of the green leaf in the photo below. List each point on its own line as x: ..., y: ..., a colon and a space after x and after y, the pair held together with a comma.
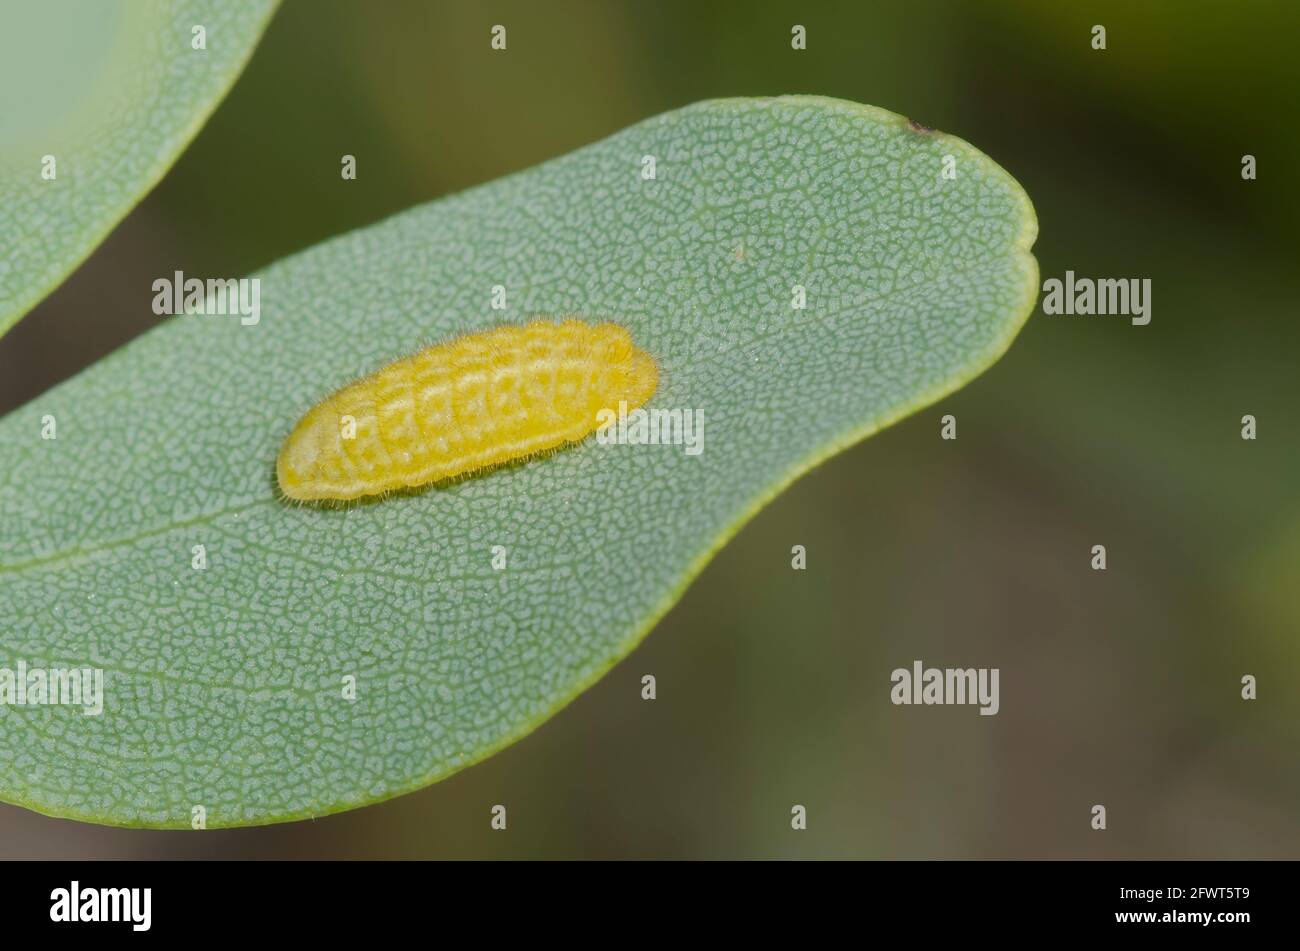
x: 224, y: 687
x: 97, y: 100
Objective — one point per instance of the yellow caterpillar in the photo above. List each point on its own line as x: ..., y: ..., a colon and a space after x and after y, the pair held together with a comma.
x: 458, y: 407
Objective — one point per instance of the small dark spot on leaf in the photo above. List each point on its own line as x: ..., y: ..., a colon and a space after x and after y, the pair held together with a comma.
x: 918, y: 127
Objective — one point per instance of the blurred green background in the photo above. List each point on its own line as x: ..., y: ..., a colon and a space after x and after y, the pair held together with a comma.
x: 1118, y: 687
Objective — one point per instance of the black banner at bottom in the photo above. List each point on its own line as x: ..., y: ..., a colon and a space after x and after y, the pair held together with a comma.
x: 337, y: 899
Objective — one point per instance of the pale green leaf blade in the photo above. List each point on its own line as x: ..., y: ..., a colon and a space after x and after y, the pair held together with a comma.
x: 97, y: 100
x: 224, y: 687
